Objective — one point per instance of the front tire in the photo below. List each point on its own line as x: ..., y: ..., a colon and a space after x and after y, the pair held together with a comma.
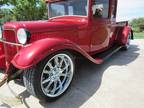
x: 51, y: 78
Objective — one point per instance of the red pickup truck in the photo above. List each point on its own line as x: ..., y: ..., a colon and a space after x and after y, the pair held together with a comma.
x: 44, y: 52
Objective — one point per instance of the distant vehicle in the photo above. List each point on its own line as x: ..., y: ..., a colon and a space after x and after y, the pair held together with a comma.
x: 44, y: 52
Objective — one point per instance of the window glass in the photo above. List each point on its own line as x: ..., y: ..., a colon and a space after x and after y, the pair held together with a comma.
x: 58, y: 10
x: 68, y: 7
x: 100, y: 8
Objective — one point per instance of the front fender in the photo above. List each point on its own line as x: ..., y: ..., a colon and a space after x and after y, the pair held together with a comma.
x: 33, y: 53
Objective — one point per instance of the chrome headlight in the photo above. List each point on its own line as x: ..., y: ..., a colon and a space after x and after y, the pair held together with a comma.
x: 22, y: 36
x: 0, y: 32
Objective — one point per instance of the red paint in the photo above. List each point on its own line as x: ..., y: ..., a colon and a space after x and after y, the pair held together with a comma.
x: 85, y: 35
x: 2, y: 57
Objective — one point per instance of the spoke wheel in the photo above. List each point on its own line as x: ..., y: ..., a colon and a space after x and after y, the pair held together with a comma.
x: 57, y: 75
x: 51, y: 78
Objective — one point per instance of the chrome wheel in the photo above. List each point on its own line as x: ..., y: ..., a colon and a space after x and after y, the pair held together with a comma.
x: 57, y: 75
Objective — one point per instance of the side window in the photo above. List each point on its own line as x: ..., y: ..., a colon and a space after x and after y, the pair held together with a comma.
x: 100, y: 8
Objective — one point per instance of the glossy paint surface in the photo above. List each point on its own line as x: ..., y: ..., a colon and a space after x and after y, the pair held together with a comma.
x: 84, y: 35
x: 2, y: 56
x: 33, y: 53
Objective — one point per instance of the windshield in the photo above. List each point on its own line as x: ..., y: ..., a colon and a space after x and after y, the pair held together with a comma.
x: 68, y: 8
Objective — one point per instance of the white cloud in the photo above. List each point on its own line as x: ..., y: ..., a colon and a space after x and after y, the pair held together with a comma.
x: 131, y: 3
x: 129, y: 9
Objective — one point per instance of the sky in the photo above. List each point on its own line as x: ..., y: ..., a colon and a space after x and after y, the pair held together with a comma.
x: 5, y: 6
x: 129, y: 9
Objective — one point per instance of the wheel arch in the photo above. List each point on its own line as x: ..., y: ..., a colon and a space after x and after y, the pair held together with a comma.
x: 32, y: 77
x: 32, y: 54
x: 123, y: 33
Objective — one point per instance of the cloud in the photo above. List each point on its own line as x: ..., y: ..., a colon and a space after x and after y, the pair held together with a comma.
x: 131, y: 3
x: 129, y: 9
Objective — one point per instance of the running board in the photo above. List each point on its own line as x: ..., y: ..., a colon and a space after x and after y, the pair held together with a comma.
x: 101, y: 57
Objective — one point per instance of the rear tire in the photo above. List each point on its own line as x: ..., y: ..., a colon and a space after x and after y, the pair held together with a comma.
x: 51, y: 78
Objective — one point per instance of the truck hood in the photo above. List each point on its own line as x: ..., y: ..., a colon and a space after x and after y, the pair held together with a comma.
x: 57, y: 24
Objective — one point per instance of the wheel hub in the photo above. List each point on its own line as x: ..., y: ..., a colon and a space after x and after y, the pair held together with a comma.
x: 55, y: 74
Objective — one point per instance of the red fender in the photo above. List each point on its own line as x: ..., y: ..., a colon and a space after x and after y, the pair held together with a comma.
x: 33, y: 53
x: 123, y: 35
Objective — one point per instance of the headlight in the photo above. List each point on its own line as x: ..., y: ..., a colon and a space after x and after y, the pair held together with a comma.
x: 22, y: 36
x: 0, y: 32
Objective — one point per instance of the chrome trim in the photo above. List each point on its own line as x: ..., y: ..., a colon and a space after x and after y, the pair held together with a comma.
x: 10, y: 29
x: 10, y: 43
x: 55, y: 81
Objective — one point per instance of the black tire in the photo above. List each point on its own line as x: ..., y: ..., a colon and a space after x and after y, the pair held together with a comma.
x: 32, y: 79
x: 127, y: 45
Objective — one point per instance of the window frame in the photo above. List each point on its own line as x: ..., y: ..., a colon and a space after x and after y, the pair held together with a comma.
x: 114, y: 13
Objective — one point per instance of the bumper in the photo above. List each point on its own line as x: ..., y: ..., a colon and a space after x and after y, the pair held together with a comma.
x: 10, y: 43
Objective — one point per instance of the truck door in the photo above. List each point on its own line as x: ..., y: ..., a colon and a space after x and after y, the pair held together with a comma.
x: 100, y: 25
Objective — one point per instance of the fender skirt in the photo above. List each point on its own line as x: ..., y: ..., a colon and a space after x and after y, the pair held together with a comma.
x: 33, y: 53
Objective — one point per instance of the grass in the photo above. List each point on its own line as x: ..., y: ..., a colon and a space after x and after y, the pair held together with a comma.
x: 138, y: 35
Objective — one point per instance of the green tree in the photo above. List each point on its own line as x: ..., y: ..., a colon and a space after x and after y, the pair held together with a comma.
x: 5, y: 15
x: 138, y: 24
x: 27, y: 9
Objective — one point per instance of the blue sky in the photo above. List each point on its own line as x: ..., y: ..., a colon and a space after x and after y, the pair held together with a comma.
x: 129, y: 9
x: 5, y: 6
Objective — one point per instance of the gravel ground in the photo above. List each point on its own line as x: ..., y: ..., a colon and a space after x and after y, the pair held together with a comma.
x: 118, y: 83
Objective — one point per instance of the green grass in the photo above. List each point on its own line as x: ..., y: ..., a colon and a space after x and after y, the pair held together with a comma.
x: 138, y: 35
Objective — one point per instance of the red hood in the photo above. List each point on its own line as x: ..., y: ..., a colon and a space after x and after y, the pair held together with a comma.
x: 57, y: 24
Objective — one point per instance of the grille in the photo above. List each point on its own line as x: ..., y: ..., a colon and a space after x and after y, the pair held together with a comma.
x: 9, y: 36
x: 11, y: 50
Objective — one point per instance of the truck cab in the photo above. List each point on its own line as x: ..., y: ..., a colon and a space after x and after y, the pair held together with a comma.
x: 44, y: 51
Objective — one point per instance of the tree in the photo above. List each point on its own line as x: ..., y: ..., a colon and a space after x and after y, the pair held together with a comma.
x: 27, y: 9
x: 138, y: 24
x: 5, y: 16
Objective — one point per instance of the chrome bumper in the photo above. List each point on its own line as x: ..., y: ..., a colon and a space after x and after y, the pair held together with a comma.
x: 10, y: 43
